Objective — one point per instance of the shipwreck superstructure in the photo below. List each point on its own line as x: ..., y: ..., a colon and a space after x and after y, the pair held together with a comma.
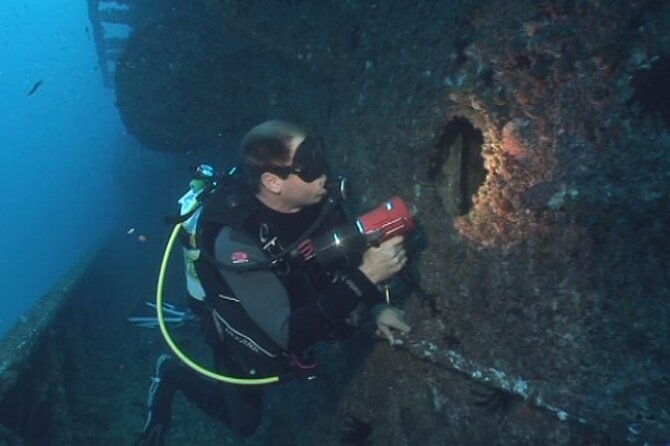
x: 531, y: 140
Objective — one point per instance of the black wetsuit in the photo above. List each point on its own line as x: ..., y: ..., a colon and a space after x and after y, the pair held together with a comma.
x: 256, y: 320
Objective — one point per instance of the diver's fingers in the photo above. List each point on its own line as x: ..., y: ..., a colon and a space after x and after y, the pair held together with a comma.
x: 385, y: 332
x: 394, y: 241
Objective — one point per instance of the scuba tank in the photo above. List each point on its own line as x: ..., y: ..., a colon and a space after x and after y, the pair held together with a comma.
x: 203, y: 183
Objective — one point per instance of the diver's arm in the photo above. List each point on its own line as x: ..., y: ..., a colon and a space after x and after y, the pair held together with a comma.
x: 313, y: 322
x: 264, y: 298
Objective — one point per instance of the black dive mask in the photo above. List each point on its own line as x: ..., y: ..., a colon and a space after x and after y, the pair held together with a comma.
x: 309, y: 161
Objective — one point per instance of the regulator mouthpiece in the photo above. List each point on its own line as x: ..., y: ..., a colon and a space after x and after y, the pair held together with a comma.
x: 338, y: 188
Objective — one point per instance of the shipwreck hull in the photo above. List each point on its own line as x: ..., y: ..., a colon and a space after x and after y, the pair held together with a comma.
x: 532, y: 142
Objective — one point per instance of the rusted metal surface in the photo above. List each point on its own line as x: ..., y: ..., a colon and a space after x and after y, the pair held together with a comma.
x: 19, y: 344
x: 556, y: 275
x: 35, y: 367
x: 550, y: 289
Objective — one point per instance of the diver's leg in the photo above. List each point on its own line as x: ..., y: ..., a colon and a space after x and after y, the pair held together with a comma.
x: 238, y: 407
x: 245, y: 408
x: 159, y: 403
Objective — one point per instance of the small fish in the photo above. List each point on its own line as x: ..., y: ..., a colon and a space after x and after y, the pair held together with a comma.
x: 142, y: 238
x: 35, y: 87
x: 130, y: 231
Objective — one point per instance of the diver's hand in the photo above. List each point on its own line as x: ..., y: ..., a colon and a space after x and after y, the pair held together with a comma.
x: 383, y: 261
x: 388, y: 318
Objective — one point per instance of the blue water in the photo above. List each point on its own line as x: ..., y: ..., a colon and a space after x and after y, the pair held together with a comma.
x: 59, y: 197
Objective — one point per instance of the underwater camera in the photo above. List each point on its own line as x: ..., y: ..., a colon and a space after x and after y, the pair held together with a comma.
x: 391, y: 218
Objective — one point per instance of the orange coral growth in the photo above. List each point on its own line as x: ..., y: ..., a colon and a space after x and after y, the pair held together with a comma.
x: 511, y: 144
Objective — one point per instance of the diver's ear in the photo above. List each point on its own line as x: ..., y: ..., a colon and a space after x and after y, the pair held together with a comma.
x: 271, y: 182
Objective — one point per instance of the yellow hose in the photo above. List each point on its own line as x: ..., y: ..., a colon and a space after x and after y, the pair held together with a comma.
x: 170, y: 342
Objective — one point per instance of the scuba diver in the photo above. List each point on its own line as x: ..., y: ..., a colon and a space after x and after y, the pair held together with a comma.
x: 268, y: 299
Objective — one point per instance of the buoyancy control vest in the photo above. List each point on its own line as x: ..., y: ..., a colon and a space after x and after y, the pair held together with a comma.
x: 233, y: 212
x: 189, y: 204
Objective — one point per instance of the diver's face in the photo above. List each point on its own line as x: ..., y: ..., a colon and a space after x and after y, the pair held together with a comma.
x: 296, y: 191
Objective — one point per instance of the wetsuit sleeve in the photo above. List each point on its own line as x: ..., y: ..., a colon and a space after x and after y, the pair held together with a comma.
x: 265, y: 299
x: 313, y: 322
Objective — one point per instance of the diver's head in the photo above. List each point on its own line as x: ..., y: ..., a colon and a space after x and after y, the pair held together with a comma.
x: 284, y: 165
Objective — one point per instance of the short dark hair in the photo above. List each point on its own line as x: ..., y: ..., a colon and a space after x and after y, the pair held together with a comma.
x: 264, y: 146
